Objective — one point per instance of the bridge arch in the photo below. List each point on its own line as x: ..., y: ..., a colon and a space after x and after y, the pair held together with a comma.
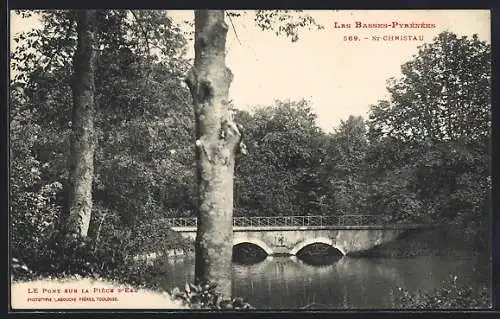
x: 317, y: 240
x: 254, y: 241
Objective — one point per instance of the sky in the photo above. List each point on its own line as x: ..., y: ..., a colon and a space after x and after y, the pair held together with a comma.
x: 338, y: 76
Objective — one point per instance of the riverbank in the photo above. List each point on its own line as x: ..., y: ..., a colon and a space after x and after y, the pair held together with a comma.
x: 433, y: 242
x: 153, y: 257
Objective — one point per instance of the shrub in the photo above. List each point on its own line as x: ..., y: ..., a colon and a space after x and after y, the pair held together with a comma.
x: 205, y: 296
x: 107, y: 253
x: 450, y: 296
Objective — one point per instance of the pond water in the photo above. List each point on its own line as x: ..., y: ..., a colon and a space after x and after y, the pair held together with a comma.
x: 346, y: 283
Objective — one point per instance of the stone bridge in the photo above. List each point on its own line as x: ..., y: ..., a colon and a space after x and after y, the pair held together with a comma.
x: 349, y: 234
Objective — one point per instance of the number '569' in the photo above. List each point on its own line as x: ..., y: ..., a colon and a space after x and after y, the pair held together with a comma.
x: 351, y: 38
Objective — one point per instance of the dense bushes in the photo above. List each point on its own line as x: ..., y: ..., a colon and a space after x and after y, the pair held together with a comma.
x: 109, y: 253
x: 451, y: 295
x: 205, y: 296
x: 143, y: 131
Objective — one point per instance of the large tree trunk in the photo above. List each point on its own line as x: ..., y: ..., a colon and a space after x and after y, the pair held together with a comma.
x: 83, y: 137
x: 217, y: 140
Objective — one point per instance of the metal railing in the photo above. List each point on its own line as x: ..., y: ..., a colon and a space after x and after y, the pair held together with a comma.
x: 298, y: 221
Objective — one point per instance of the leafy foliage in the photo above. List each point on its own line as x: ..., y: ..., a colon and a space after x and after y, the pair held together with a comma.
x: 438, y: 119
x: 444, y: 94
x: 284, y: 22
x: 450, y: 296
x: 142, y: 116
x: 34, y: 208
x: 283, y: 158
x: 346, y: 167
x: 205, y: 296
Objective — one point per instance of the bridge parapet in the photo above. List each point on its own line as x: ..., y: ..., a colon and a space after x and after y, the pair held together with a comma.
x: 291, y: 221
x: 306, y: 228
x: 347, y: 233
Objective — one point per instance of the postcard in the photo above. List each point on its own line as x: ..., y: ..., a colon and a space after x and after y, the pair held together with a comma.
x: 252, y: 159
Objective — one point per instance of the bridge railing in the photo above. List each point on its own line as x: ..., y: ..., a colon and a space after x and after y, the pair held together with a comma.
x: 297, y: 221
x: 182, y: 222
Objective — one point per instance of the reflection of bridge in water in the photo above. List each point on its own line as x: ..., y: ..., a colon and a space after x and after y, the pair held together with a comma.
x: 289, y: 234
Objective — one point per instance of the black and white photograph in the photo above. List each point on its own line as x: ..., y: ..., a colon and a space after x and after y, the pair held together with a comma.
x: 248, y: 160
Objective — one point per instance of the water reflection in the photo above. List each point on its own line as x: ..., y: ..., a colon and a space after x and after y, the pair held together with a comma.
x: 346, y: 283
x: 319, y: 254
x: 247, y: 254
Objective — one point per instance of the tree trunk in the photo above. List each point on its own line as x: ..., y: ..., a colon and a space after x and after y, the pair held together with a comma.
x: 83, y: 137
x: 217, y: 141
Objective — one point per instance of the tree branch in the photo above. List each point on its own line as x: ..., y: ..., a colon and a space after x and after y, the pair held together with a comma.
x: 234, y: 29
x: 144, y: 32
x: 145, y: 36
x: 99, y: 230
x: 59, y: 47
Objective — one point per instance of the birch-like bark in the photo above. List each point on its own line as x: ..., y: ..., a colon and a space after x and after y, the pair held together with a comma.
x: 83, y: 137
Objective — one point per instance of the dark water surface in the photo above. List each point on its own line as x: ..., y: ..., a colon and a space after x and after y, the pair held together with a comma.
x: 347, y: 283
